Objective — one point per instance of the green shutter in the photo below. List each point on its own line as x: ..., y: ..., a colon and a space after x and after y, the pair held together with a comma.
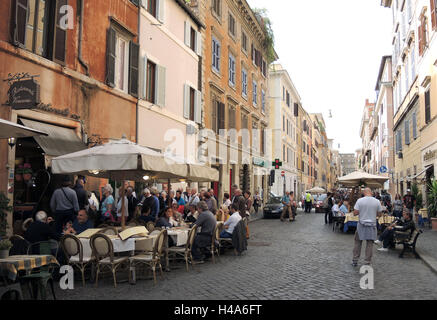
x: 134, y: 53
x: 110, y: 57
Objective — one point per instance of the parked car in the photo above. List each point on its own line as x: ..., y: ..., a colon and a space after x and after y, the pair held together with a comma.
x: 318, y: 205
x: 273, y: 207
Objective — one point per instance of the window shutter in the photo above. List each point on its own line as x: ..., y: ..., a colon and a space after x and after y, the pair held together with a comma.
x: 135, y: 2
x: 433, y: 14
x: 186, y: 101
x: 198, y: 43
x: 143, y: 76
x: 134, y: 53
x: 296, y: 110
x: 110, y: 58
x: 187, y: 36
x: 414, y: 126
x: 60, y: 40
x: 161, y: 10
x: 420, y: 40
x: 427, y: 107
x: 198, y: 107
x: 407, y: 132
x: 19, y: 36
x: 160, y: 85
x: 221, y: 116
x: 400, y: 140
x: 214, y: 115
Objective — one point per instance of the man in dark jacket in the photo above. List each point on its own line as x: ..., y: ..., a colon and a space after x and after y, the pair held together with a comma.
x: 40, y: 230
x: 401, y: 229
x: 132, y: 202
x: 82, y: 197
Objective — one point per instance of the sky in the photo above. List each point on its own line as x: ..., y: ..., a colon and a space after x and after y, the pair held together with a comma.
x: 332, y: 51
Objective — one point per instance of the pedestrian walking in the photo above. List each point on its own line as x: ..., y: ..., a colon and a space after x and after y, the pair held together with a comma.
x: 368, y: 208
x: 308, y: 203
x: 256, y: 201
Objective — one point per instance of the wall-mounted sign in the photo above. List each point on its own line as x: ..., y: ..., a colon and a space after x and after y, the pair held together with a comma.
x: 24, y: 94
x: 430, y: 155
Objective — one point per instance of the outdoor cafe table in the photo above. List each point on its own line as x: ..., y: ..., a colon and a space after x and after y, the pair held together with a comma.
x: 13, y: 264
x: 350, y: 221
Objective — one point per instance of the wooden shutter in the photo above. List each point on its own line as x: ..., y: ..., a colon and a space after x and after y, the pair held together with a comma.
x: 134, y: 52
x: 198, y: 107
x: 198, y: 43
x: 160, y: 85
x: 187, y: 33
x: 407, y: 132
x: 414, y: 126
x: 214, y: 116
x: 143, y: 77
x: 427, y: 107
x: 433, y: 14
x: 221, y: 116
x: 60, y: 39
x: 186, y: 101
x: 420, y: 34
x: 110, y: 57
x: 19, y: 23
x: 296, y: 110
x: 160, y: 7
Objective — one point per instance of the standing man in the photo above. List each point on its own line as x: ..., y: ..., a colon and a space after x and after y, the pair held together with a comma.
x: 287, y: 206
x: 293, y: 207
x: 82, y: 197
x: 64, y: 205
x: 368, y: 208
x: 308, y: 203
x: 132, y: 202
x: 409, y: 201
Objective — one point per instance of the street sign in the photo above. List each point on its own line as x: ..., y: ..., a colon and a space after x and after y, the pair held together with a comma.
x: 383, y: 169
x: 283, y: 173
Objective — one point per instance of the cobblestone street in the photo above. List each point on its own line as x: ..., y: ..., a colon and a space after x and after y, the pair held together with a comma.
x: 300, y: 260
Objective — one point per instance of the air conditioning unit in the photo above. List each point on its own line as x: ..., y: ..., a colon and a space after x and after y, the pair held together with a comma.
x: 191, y: 129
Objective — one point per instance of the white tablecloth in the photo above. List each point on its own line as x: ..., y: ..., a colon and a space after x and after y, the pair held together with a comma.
x: 180, y: 237
x: 119, y: 246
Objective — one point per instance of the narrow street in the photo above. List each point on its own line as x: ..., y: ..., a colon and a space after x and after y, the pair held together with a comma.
x: 300, y: 260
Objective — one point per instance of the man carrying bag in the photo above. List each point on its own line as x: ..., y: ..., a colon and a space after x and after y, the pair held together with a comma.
x: 64, y: 204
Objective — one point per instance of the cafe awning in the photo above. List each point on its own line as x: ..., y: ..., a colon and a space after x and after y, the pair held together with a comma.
x: 59, y: 141
x: 10, y: 129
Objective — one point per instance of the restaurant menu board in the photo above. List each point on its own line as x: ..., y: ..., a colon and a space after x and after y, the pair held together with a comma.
x: 88, y: 233
x: 134, y: 231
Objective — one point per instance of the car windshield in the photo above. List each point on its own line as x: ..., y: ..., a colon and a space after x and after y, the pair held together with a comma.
x: 274, y: 200
x: 321, y: 197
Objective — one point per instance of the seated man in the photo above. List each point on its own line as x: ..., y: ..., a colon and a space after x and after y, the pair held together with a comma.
x: 231, y: 223
x: 401, y: 229
x: 344, y: 208
x: 336, y: 209
x: 40, y: 230
x: 207, y: 222
x: 80, y: 224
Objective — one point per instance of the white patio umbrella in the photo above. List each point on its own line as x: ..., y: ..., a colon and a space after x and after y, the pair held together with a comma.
x: 359, y: 178
x: 10, y: 129
x: 196, y: 172
x: 119, y: 160
x: 316, y: 190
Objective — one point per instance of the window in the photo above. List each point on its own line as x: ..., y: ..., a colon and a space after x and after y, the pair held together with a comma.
x: 232, y: 122
x: 423, y: 34
x: 414, y: 125
x: 283, y: 152
x: 283, y: 123
x: 254, y: 93
x: 193, y: 39
x: 36, y: 27
x: 263, y: 140
x: 244, y: 121
x: 427, y: 107
x: 399, y: 141
x: 231, y: 70
x: 263, y: 101
x: 151, y: 84
x: 288, y: 98
x: 216, y: 7
x: 244, y: 41
x: 152, y: 7
x: 218, y: 116
x: 244, y: 82
x: 288, y: 127
x: 121, y: 63
x: 231, y: 25
x: 192, y: 104
x: 434, y: 14
x: 407, y: 132
x: 215, y: 54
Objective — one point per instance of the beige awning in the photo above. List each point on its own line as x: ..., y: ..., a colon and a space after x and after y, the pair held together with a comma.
x: 10, y: 129
x: 59, y: 141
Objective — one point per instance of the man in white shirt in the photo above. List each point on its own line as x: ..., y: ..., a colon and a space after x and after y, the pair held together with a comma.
x: 231, y: 223
x: 368, y: 208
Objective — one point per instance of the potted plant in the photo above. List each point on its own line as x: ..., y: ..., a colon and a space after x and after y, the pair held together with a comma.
x: 5, y: 246
x: 27, y: 172
x: 432, y: 203
x: 4, y: 209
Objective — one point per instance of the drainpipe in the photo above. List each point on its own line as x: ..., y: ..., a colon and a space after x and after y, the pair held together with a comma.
x: 80, y: 39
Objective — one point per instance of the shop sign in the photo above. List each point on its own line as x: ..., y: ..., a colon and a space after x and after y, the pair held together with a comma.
x: 24, y: 94
x: 259, y: 162
x: 429, y: 155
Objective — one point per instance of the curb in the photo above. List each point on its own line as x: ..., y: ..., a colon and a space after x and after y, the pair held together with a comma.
x: 428, y: 260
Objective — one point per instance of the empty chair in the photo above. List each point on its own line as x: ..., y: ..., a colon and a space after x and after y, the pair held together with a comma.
x: 215, y: 245
x: 151, y: 259
x: 73, y: 251
x: 103, y: 251
x: 185, y: 252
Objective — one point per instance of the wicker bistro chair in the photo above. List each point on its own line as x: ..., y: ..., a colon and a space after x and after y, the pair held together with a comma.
x: 185, y: 252
x: 150, y: 226
x: 72, y: 247
x: 150, y: 259
x: 215, y: 244
x: 103, y: 251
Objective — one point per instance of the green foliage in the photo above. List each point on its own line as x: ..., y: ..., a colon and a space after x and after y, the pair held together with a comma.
x: 4, y: 209
x: 432, y: 199
x: 5, y: 244
x: 418, y: 196
x: 269, y: 41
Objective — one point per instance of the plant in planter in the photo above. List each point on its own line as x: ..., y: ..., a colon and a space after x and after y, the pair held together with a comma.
x: 5, y: 246
x: 19, y: 173
x: 4, y: 209
x: 27, y: 172
x: 432, y: 203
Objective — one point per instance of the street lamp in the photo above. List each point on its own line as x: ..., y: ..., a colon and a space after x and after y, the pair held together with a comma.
x: 12, y: 142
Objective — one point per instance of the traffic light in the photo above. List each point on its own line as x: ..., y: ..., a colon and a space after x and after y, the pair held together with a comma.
x: 272, y: 178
